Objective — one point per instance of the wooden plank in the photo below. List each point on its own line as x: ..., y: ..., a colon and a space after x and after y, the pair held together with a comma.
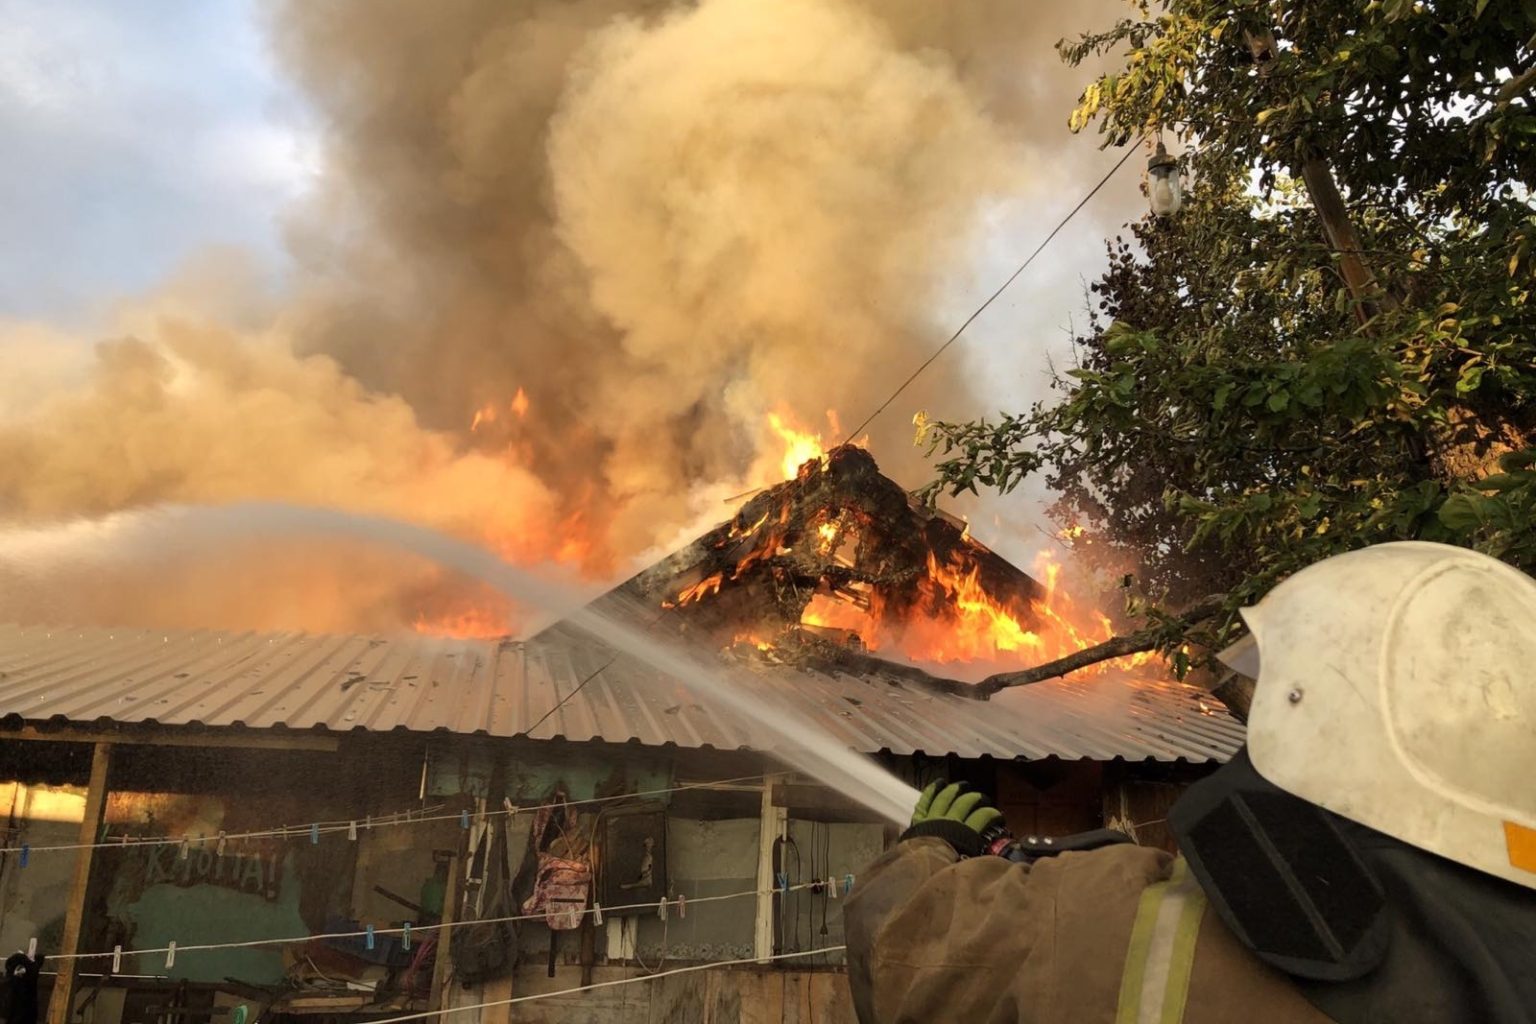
x: 175, y: 738
x: 441, y: 960
x: 61, y: 1002
x: 772, y: 823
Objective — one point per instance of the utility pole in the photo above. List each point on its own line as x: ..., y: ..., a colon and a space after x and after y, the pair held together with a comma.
x: 1364, y: 288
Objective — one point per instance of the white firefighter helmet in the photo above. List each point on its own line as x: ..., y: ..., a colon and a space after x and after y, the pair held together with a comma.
x: 1397, y: 688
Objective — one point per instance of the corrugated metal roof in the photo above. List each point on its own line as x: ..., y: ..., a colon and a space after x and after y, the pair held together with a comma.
x: 422, y: 684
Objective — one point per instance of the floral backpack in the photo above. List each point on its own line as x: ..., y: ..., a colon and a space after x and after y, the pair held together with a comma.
x: 561, y: 884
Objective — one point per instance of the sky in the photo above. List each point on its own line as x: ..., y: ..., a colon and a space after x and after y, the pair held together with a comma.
x: 138, y: 136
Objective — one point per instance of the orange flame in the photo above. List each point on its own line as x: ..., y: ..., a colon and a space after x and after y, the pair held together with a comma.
x: 800, y: 446
x: 520, y: 404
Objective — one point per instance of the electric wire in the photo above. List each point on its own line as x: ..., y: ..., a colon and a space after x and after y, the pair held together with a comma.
x: 856, y: 431
x: 416, y: 930
x: 360, y: 824
x: 423, y: 1015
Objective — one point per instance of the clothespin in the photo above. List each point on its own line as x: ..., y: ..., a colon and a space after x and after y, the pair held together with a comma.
x: 597, y: 913
x: 464, y: 818
x: 352, y: 831
x: 405, y: 939
x: 847, y: 883
x: 314, y: 833
x: 661, y: 908
x: 223, y: 842
x: 239, y: 1014
x: 117, y: 959
x: 186, y: 848
x: 831, y: 889
x: 26, y: 854
x: 170, y: 955
x: 32, y: 948
x: 682, y: 906
x: 123, y: 839
x: 783, y: 882
x: 369, y: 940
x: 202, y: 840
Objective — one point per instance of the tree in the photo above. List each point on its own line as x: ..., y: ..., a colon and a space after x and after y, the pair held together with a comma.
x: 1237, y: 411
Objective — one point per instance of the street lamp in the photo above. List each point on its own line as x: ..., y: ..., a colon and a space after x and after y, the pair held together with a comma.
x: 1163, y: 183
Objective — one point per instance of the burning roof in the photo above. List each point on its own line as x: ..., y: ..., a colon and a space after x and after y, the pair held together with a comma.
x: 840, y: 560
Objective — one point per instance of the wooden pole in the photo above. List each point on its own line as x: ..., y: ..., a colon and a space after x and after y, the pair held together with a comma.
x: 441, y: 960
x: 61, y: 1002
x: 772, y: 822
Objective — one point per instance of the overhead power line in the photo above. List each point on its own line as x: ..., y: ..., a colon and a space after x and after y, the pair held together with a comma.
x: 856, y: 431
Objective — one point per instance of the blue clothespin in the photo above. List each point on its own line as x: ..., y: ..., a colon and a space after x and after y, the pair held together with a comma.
x: 783, y: 882
x: 405, y: 940
x: 314, y: 833
x: 369, y: 940
x: 26, y: 854
x: 847, y: 884
x: 464, y: 819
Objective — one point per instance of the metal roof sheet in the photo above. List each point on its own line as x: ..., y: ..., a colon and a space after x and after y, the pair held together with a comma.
x: 423, y: 684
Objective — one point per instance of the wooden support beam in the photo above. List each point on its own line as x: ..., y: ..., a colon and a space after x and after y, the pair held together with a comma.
x: 772, y: 825
x: 442, y: 961
x: 61, y: 1002
x: 233, y: 739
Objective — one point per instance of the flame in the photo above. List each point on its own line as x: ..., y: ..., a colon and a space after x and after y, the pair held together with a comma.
x: 700, y: 590
x: 800, y: 446
x: 520, y: 404
x: 964, y: 623
x: 483, y: 415
x: 470, y: 620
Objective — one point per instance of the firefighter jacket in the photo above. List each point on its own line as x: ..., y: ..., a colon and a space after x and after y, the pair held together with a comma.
x: 1120, y: 935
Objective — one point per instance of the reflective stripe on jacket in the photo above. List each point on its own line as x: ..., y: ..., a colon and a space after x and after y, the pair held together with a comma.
x: 1120, y: 935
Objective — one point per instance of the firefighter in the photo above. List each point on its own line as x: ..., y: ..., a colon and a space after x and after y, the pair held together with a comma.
x: 1369, y: 856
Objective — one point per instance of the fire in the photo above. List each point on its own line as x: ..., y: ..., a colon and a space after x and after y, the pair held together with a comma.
x: 800, y: 446
x: 471, y: 621
x: 491, y: 413
x: 964, y: 623
x: 700, y: 590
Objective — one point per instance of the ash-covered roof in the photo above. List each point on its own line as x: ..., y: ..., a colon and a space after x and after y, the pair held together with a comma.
x: 425, y: 684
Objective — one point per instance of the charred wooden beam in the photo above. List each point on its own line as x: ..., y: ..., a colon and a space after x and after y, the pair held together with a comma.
x: 1115, y: 647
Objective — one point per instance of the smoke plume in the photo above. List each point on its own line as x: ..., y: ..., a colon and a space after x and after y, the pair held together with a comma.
x: 623, y: 233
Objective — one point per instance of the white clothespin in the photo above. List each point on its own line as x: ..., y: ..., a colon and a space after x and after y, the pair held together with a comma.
x: 661, y: 908
x: 117, y: 959
x: 597, y: 913
x: 32, y: 948
x: 170, y: 955
x: 831, y: 888
x: 352, y: 831
x: 186, y: 847
x: 223, y: 842
x: 682, y: 906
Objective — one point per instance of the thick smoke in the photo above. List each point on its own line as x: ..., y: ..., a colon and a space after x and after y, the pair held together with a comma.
x: 659, y: 222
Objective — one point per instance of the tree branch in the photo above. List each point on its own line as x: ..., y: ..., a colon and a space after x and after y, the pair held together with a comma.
x: 1515, y: 86
x: 1115, y: 647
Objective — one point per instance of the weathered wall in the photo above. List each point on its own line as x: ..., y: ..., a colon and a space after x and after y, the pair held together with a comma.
x: 33, y: 899
x: 731, y: 995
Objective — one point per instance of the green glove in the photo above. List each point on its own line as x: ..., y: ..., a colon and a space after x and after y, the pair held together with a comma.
x: 953, y: 803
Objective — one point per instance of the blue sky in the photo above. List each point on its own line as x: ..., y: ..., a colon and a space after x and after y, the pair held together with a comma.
x: 134, y: 135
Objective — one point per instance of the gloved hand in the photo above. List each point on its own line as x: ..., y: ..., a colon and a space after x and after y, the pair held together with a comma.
x: 965, y: 820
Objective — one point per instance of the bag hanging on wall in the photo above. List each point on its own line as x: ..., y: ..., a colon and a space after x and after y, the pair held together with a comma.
x: 487, y: 949
x: 561, y: 885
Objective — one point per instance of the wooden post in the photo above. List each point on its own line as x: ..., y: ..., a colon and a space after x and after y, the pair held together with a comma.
x: 772, y: 823
x: 441, y: 960
x: 61, y: 1002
